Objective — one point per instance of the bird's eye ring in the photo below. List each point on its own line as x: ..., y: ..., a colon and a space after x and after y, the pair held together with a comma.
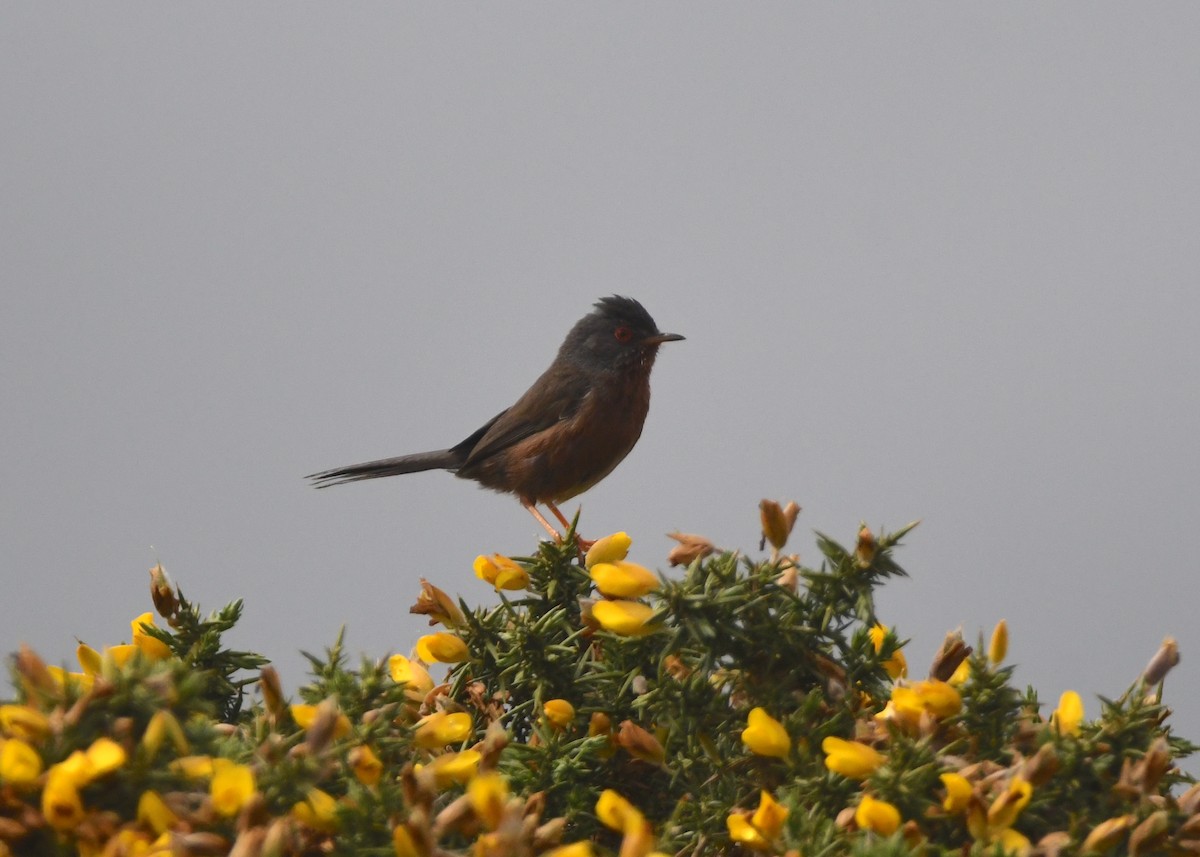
x: 623, y: 334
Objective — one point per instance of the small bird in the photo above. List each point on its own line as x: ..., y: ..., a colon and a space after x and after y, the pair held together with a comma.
x: 570, y: 429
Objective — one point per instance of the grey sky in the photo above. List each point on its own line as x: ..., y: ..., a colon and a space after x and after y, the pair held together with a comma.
x: 933, y: 261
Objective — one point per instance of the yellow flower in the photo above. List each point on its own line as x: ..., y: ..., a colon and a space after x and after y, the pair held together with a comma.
x: 743, y: 832
x: 366, y: 765
x: 89, y: 659
x: 1068, y: 717
x: 154, y: 813
x: 877, y: 815
x: 455, y: 767
x: 896, y: 665
x: 501, y: 572
x: 403, y: 843
x: 152, y: 647
x: 193, y: 767
x: 488, y: 794
x: 623, y: 579
x: 232, y: 786
x: 442, y: 728
x: 626, y: 618
x: 765, y: 735
x: 850, y: 758
x: 909, y: 702
x: 961, y: 673
x: 438, y: 606
x: 306, y: 717
x: 20, y: 765
x: 559, y: 713
x: 608, y: 549
x: 575, y: 849
x: 958, y: 793
x: 62, y: 678
x: 1013, y: 842
x: 61, y: 805
x: 939, y: 698
x: 1107, y: 834
x: 103, y: 757
x: 442, y: 648
x: 999, y: 645
x: 1008, y: 805
x: 318, y: 810
x: 163, y: 725
x: 616, y: 813
x: 410, y: 673
x: 21, y: 721
x: 768, y: 819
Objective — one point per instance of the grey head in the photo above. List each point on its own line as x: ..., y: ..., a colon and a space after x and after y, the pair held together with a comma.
x: 617, y: 335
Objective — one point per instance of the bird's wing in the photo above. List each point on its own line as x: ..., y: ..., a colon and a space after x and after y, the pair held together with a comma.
x: 555, y: 397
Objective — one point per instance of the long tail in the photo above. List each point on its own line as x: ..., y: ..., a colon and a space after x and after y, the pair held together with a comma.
x: 442, y: 459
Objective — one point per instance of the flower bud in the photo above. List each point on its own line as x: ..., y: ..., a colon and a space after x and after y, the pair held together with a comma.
x: 690, y: 548
x: 162, y: 594
x: 438, y: 606
x: 952, y: 653
x: 1164, y: 659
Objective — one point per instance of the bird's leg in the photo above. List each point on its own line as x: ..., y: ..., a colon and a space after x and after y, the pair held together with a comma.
x: 584, y: 544
x: 541, y: 520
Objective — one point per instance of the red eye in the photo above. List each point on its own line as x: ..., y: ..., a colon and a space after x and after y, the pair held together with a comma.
x: 623, y: 334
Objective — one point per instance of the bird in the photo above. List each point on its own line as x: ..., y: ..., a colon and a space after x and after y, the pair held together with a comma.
x: 567, y: 432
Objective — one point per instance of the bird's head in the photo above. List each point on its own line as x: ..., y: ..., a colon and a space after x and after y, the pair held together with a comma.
x: 618, y: 334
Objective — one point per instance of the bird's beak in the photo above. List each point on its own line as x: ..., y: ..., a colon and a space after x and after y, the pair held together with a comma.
x: 660, y: 338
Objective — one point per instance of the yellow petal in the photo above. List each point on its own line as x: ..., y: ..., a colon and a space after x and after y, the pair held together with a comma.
x: 623, y: 579
x: 501, y: 572
x: 20, y: 765
x: 765, y: 735
x: 105, y: 756
x: 1068, y: 717
x: 575, y: 849
x: 415, y: 677
x: 877, y: 815
x: 403, y: 843
x: 442, y: 728
x: 318, y: 810
x: 154, y: 813
x: 488, y: 794
x: 89, y: 659
x: 768, y: 819
x: 21, y: 721
x: 367, y: 767
x: 194, y: 767
x: 626, y: 618
x: 617, y: 813
x: 850, y: 758
x: 442, y: 648
x: 152, y: 647
x: 61, y: 806
x: 998, y: 647
x: 958, y: 793
x: 743, y: 832
x: 559, y: 713
x: 455, y: 767
x: 232, y: 786
x: 608, y: 549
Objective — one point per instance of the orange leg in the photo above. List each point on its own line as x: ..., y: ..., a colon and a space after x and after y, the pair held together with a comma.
x: 584, y: 544
x: 541, y: 520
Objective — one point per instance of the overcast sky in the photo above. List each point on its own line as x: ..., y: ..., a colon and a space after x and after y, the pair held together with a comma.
x: 933, y: 261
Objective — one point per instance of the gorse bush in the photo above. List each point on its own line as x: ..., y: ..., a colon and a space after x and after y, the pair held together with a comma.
x: 741, y: 705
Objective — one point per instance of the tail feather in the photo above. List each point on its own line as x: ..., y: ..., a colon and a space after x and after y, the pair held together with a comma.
x: 442, y: 459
